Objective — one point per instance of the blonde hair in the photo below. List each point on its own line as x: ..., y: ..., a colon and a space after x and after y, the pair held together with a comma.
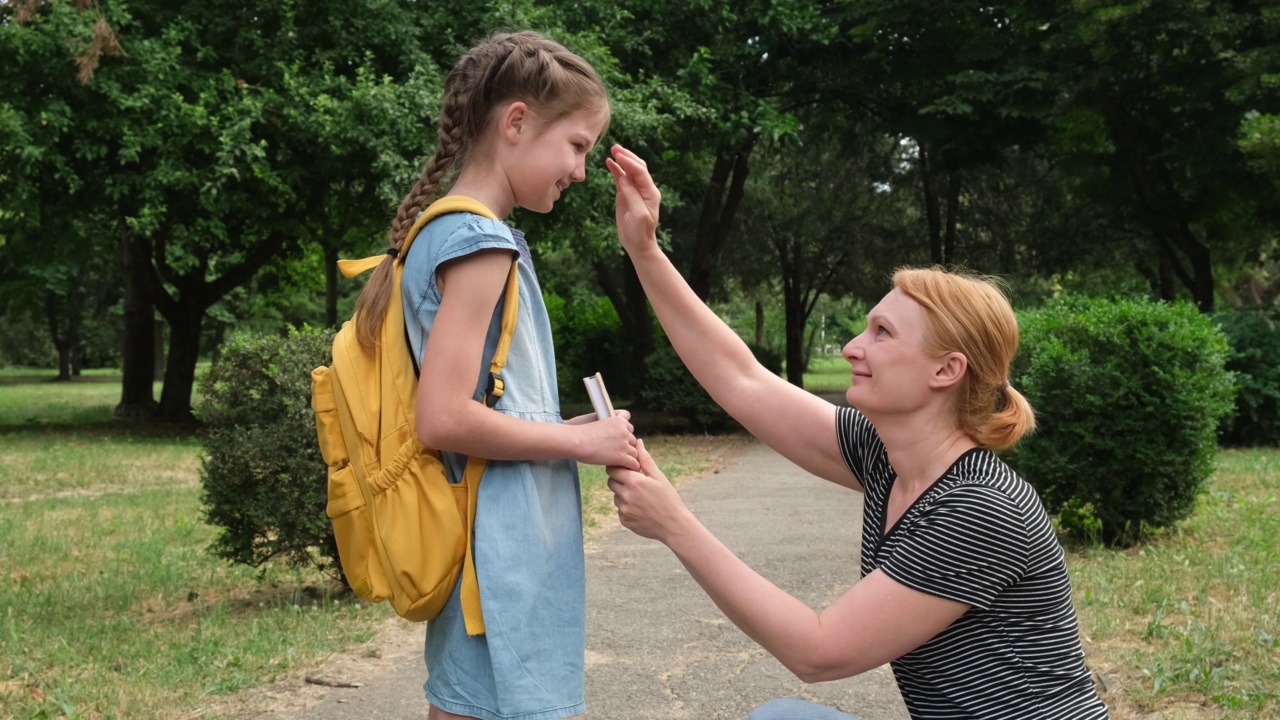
x: 505, y: 68
x: 970, y: 315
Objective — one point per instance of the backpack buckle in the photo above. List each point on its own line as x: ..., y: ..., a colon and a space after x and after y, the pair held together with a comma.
x: 495, y: 387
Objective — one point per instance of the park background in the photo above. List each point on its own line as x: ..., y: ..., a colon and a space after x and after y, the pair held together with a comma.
x: 178, y: 178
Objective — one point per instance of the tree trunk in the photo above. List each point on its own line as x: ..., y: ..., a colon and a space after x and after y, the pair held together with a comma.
x: 75, y: 340
x: 725, y: 191
x: 932, y: 213
x: 760, y: 323
x: 53, y: 311
x: 137, y: 396
x: 953, y: 215
x: 157, y: 350
x: 794, y: 310
x: 1162, y: 204
x: 180, y: 369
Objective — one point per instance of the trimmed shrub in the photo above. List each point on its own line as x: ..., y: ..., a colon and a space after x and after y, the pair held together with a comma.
x: 589, y: 339
x: 670, y: 388
x: 1254, y: 337
x: 265, y: 482
x: 1128, y: 395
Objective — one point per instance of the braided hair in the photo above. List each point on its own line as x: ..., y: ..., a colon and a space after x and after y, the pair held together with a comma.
x: 504, y: 68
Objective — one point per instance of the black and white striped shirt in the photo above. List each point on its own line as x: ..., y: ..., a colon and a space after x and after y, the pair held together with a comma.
x: 979, y: 535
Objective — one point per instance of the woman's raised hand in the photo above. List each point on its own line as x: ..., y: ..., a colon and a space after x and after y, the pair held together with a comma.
x: 638, y: 200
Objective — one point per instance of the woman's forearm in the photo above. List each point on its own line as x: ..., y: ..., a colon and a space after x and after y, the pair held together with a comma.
x: 783, y: 625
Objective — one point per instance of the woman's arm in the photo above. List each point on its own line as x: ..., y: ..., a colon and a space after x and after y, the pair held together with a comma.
x: 447, y: 416
x: 876, y: 621
x: 796, y: 423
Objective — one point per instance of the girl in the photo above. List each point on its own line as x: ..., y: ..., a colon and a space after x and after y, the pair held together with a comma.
x: 964, y: 588
x: 519, y: 115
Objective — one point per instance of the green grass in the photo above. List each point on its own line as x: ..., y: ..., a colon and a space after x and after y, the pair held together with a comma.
x: 110, y: 605
x: 1188, y: 625
x: 827, y: 373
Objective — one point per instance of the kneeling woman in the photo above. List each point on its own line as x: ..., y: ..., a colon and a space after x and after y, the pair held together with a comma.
x: 964, y: 586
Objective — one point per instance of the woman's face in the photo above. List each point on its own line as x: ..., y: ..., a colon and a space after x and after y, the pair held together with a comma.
x: 891, y: 369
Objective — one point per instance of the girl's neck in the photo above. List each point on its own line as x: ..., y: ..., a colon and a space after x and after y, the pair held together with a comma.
x: 487, y: 185
x: 920, y: 452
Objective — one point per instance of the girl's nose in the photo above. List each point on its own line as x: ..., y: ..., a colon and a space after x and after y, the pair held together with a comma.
x: 579, y: 173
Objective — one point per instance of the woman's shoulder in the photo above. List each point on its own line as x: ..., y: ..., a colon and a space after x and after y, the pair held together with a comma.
x: 981, y: 474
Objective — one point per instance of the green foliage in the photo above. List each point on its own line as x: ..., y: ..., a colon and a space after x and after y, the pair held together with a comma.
x: 1128, y: 395
x: 265, y: 483
x: 589, y: 339
x: 670, y: 388
x: 24, y: 342
x: 1254, y: 337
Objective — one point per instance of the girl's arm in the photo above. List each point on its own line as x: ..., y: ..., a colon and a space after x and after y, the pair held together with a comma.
x: 796, y: 423
x: 874, y: 622
x: 447, y: 416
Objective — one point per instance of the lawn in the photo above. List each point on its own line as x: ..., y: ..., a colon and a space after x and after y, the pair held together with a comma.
x: 110, y: 605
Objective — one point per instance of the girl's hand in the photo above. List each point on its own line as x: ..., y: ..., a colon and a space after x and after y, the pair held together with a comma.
x: 611, y: 441
x: 647, y: 503
x: 638, y: 200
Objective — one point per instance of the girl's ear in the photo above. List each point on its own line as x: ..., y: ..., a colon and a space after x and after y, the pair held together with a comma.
x: 514, y: 122
x: 950, y: 371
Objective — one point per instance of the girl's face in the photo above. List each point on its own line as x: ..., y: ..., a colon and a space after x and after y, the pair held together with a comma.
x: 546, y: 159
x: 892, y: 372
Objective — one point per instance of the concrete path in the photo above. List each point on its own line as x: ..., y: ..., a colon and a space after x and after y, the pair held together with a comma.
x: 656, y: 646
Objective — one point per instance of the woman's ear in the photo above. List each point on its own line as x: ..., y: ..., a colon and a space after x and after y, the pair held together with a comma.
x: 514, y: 121
x: 951, y: 370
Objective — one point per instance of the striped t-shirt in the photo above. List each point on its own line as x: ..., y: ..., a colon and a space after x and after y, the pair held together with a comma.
x: 979, y: 535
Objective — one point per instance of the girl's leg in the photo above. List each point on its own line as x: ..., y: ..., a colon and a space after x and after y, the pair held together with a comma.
x: 436, y: 713
x: 791, y: 709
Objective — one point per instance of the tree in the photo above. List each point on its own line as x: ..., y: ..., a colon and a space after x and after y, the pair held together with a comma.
x: 820, y: 217
x: 1152, y: 100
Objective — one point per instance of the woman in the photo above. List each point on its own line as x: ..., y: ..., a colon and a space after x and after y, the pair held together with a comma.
x: 964, y: 587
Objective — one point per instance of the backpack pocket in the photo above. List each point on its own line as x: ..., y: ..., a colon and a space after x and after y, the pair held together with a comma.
x: 328, y: 427
x: 347, y: 507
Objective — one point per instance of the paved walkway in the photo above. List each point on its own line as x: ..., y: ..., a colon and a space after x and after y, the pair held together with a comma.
x: 657, y: 648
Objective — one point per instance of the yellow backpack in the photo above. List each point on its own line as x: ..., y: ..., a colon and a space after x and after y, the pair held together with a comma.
x: 403, y: 531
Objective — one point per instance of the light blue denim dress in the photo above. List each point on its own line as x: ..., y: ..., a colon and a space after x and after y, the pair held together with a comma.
x: 528, y: 529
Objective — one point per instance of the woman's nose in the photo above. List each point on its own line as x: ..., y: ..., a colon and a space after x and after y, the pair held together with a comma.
x: 852, y: 350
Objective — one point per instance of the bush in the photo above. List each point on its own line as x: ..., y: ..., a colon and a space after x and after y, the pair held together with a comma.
x: 1254, y: 337
x: 771, y: 358
x: 1128, y: 396
x: 265, y: 483
x: 670, y: 388
x: 589, y: 339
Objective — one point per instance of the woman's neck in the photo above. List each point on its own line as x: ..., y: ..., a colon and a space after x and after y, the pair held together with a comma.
x: 920, y: 452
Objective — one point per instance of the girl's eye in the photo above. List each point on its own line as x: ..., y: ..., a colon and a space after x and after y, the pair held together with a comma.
x: 882, y: 330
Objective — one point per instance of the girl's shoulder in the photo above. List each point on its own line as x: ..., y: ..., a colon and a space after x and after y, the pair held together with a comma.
x: 461, y: 233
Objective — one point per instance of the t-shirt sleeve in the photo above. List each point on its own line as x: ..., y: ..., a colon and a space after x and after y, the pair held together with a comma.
x: 860, y: 444
x: 474, y: 234
x: 968, y: 546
